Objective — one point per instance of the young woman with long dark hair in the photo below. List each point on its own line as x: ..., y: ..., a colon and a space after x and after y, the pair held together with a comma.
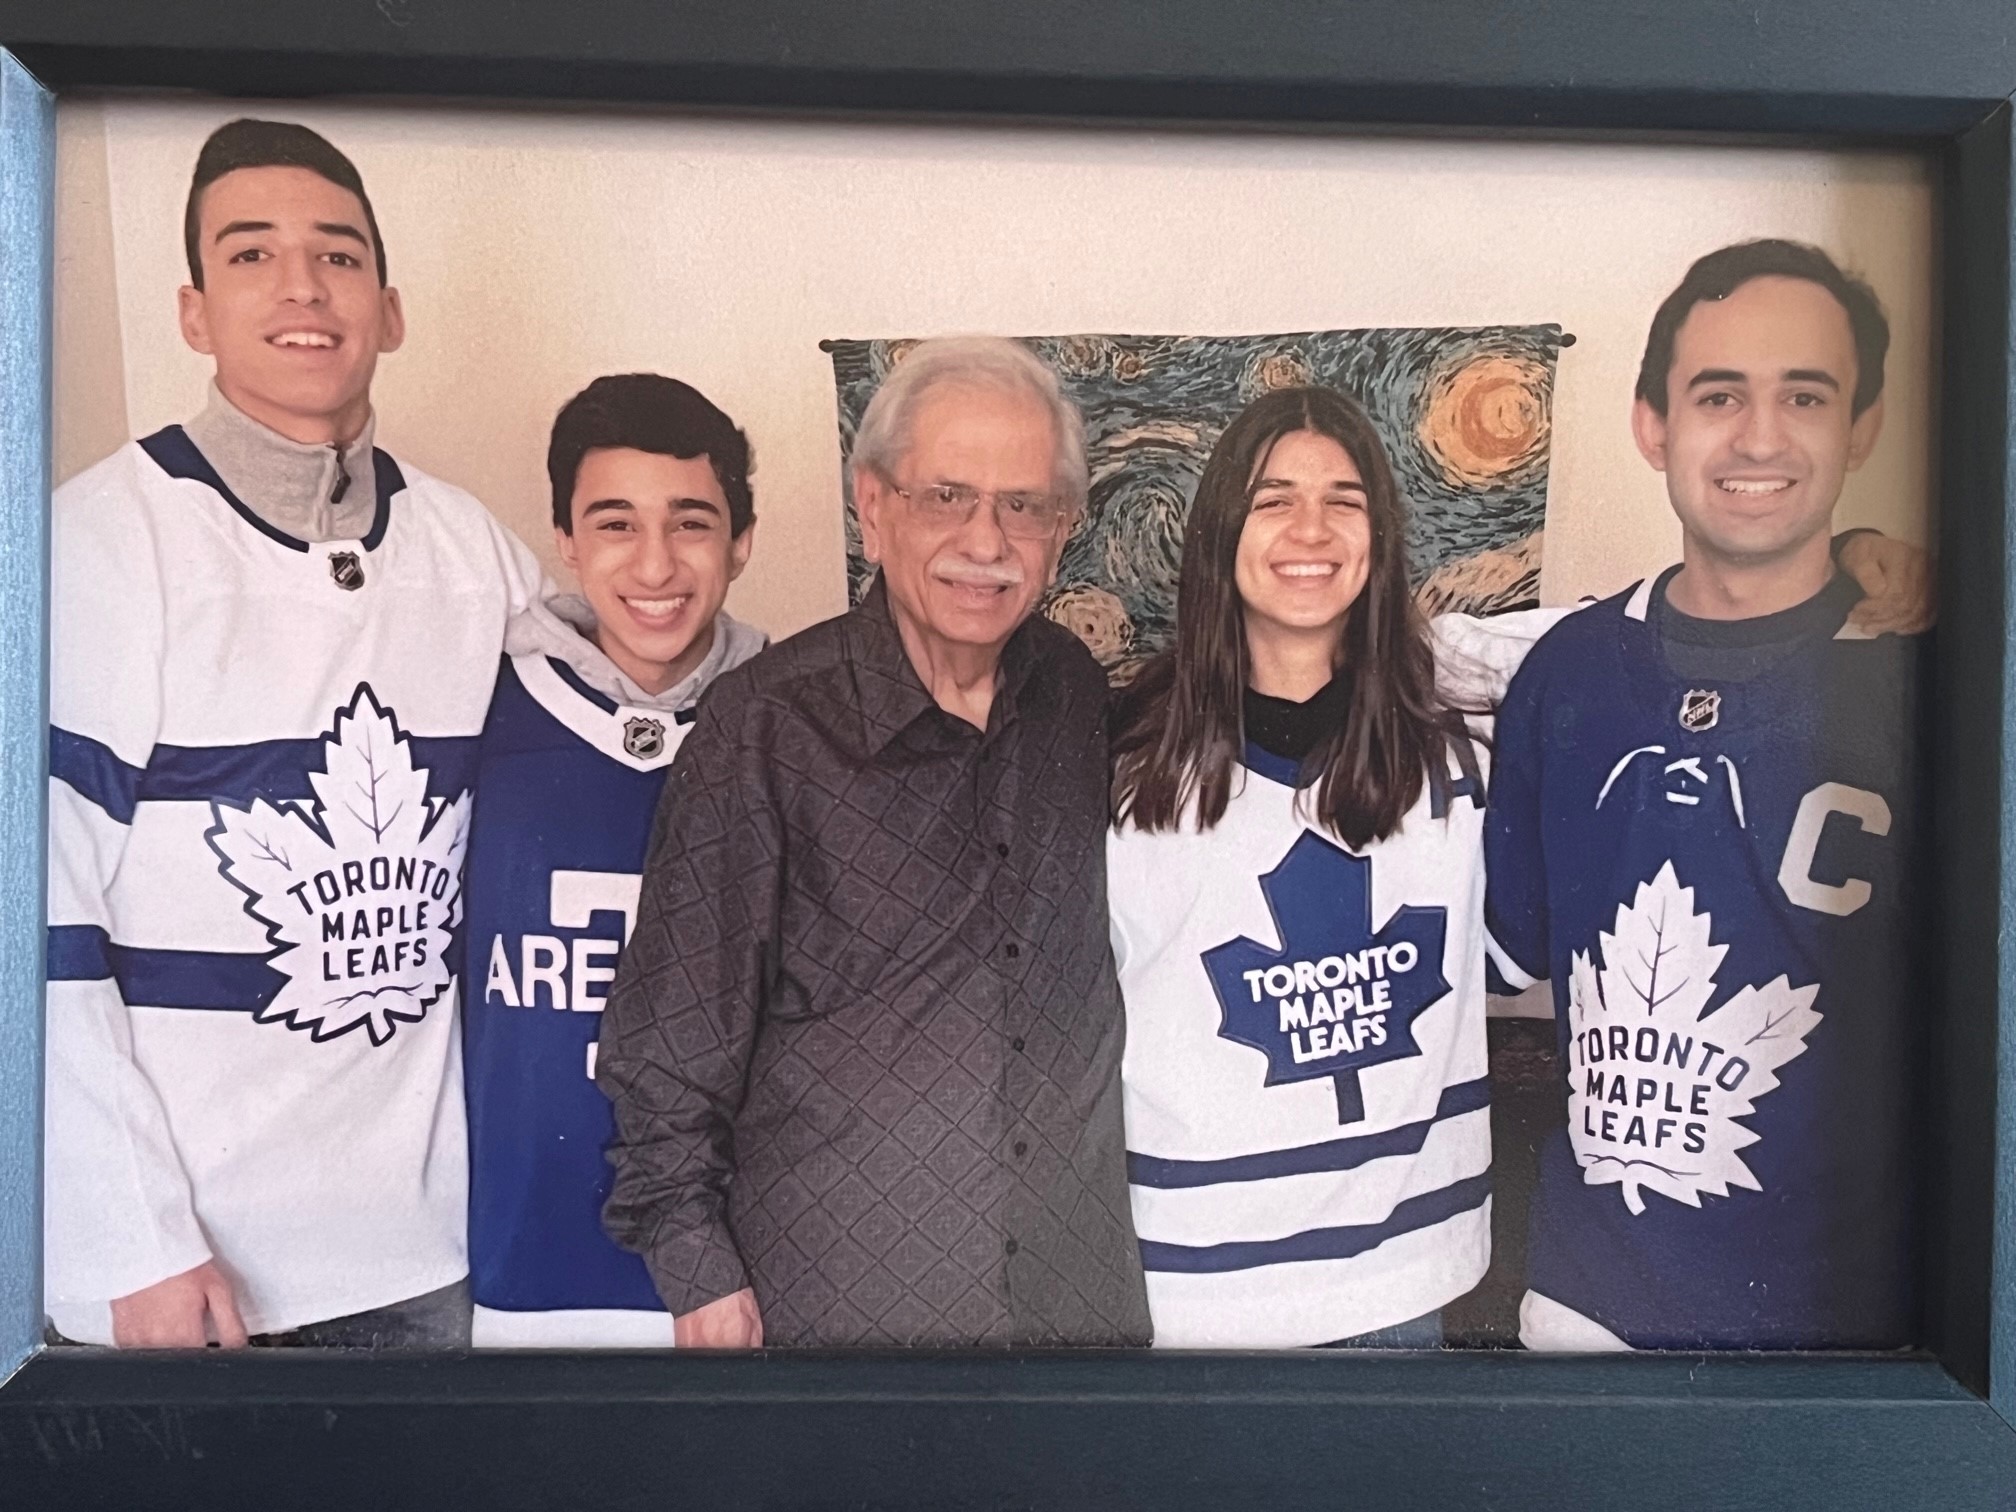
x: 1297, y: 884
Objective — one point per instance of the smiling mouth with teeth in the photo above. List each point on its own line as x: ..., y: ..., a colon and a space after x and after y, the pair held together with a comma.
x: 320, y: 339
x: 658, y: 608
x: 1307, y: 569
x: 1753, y: 487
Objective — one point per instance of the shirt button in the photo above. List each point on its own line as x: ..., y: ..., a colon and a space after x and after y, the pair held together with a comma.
x: 1001, y: 850
x: 1021, y: 1147
x: 1015, y: 1043
x: 1012, y: 1246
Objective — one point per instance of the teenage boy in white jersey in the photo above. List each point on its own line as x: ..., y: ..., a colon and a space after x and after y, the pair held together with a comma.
x: 272, y: 649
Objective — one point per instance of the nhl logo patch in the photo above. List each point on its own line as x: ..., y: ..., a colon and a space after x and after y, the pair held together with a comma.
x: 1699, y: 709
x: 644, y: 738
x: 346, y: 570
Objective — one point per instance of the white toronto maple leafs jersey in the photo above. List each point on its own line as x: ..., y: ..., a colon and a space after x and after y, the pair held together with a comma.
x: 1717, y: 878
x: 260, y: 759
x: 1306, y: 1077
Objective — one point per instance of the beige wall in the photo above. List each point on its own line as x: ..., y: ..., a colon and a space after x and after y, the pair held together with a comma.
x: 535, y: 251
x: 88, y: 366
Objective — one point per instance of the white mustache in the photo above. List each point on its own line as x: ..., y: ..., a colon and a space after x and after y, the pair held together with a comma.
x: 975, y: 575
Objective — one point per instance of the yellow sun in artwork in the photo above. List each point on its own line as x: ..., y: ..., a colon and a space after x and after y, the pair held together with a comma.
x: 1484, y: 421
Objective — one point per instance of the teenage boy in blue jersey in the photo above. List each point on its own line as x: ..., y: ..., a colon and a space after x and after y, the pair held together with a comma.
x: 1703, y: 819
x: 653, y: 513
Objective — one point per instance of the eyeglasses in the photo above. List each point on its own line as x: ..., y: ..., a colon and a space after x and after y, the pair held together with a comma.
x: 1029, y: 516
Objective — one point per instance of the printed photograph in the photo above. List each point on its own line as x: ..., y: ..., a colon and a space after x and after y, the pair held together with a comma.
x: 674, y: 732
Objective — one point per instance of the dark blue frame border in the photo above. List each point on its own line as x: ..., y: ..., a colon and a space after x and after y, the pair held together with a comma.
x: 1099, y: 1430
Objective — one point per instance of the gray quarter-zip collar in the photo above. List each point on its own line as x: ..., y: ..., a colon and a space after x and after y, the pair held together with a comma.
x: 312, y: 493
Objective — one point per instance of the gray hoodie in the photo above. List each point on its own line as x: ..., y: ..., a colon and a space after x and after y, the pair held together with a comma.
x: 561, y: 626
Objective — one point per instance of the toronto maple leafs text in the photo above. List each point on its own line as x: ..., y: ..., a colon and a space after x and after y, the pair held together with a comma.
x: 1646, y: 1110
x: 1658, y: 1084
x: 1336, y: 1004
x: 385, y: 931
x: 360, y: 889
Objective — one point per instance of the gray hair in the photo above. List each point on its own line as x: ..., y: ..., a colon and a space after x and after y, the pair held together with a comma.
x: 993, y: 363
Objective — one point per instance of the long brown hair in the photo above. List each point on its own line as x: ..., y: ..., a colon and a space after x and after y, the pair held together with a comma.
x: 1179, y: 730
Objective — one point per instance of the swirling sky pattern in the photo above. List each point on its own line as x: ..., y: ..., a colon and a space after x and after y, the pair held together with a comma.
x: 1465, y: 414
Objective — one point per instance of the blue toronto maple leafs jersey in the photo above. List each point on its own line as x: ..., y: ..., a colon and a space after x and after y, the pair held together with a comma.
x: 567, y: 783
x: 1717, y: 878
x: 1307, y: 1092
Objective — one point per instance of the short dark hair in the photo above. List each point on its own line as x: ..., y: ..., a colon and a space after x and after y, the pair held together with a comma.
x: 246, y: 143
x: 1722, y: 273
x: 649, y: 413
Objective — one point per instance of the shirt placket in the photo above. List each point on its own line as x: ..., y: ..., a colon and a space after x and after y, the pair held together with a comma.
x: 974, y: 803
x: 998, y: 788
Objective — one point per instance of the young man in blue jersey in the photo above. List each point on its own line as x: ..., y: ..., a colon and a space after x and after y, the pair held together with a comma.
x: 653, y: 512
x: 272, y: 646
x: 1702, y: 829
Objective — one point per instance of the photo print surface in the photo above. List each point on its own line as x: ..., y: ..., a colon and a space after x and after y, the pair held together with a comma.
x: 898, y: 1140
x: 1465, y: 413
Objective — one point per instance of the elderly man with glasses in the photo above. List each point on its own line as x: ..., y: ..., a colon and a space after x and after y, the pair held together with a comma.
x: 864, y: 1046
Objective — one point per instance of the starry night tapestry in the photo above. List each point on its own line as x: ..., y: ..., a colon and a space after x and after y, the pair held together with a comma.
x: 1464, y: 413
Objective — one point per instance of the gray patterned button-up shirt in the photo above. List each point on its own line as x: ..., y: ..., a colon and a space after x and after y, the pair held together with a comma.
x: 864, y: 1044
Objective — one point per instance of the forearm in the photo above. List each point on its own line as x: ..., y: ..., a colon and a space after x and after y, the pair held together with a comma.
x: 120, y: 1215
x: 1477, y: 655
x: 668, y: 1203
x: 120, y: 1211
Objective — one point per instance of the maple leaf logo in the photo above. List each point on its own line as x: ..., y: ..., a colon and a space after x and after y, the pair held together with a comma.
x: 1336, y: 997
x: 1654, y: 1088
x: 360, y: 891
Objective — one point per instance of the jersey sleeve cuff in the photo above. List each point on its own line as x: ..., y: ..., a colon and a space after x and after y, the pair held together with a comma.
x: 1505, y: 975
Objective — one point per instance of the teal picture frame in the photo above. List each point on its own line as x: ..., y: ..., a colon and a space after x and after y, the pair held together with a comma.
x: 1933, y: 1429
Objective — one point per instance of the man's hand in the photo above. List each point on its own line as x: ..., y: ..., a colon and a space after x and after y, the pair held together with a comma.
x: 729, y: 1322
x: 170, y: 1314
x: 1896, y: 581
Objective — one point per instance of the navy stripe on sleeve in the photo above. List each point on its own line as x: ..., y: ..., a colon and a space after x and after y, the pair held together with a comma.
x: 1331, y: 1155
x: 95, y: 771
x: 1339, y: 1243
x: 278, y: 770
x: 227, y: 981
x: 213, y: 979
x: 78, y: 953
